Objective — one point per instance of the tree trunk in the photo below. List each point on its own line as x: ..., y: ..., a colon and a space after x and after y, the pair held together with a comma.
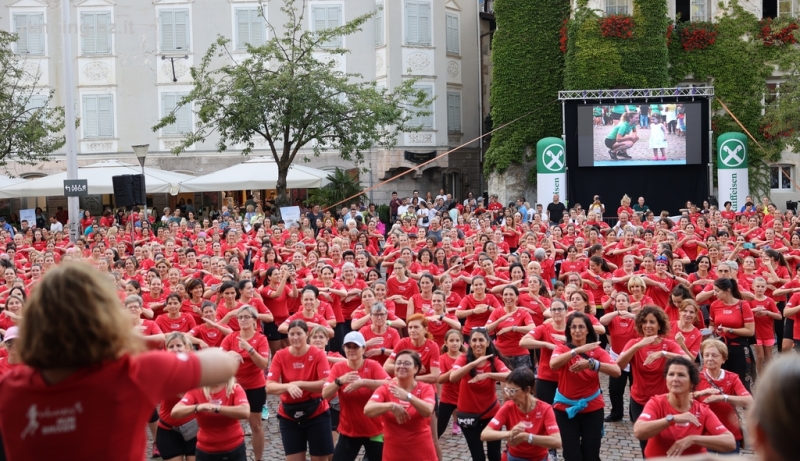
x: 282, y: 198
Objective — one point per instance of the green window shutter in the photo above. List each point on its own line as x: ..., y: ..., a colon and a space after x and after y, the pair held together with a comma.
x: 88, y: 33
x: 242, y: 28
x: 90, y: 116
x: 105, y: 116
x: 258, y: 30
x: 425, y: 121
x: 103, y: 33
x: 454, y: 112
x: 379, y: 41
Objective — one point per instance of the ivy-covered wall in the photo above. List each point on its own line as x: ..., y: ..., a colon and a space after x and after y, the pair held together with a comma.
x: 528, y: 71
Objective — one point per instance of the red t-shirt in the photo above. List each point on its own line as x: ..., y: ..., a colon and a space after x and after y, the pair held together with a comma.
x: 390, y: 339
x: 428, y: 353
x: 208, y: 335
x: 279, y: 306
x: 659, y: 407
x: 350, y: 306
x: 414, y: 434
x: 730, y: 316
x: 648, y: 380
x: 508, y: 343
x: 477, y: 320
x: 794, y: 301
x: 352, y: 421
x: 405, y: 289
x: 545, y: 332
x: 583, y: 384
x: 248, y: 374
x: 535, y: 308
x: 449, y: 389
x: 184, y: 323
x: 478, y: 397
x: 730, y: 384
x: 568, y: 266
x: 692, y: 339
x: 317, y: 318
x: 541, y: 420
x: 438, y: 328
x: 660, y: 297
x: 620, y: 331
x: 48, y: 421
x: 765, y: 325
x: 165, y: 419
x: 218, y: 433
x: 148, y: 328
x: 421, y: 305
x: 311, y: 366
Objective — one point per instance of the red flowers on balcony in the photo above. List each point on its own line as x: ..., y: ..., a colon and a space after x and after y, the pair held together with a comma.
x: 617, y: 25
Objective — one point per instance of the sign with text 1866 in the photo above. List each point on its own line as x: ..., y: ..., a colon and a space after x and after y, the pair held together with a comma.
x: 76, y: 188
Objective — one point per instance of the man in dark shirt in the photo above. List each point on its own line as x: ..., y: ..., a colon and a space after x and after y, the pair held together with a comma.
x: 313, y: 215
x: 393, y: 205
x: 555, y: 210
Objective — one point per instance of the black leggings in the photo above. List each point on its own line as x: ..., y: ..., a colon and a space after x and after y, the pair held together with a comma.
x: 335, y: 344
x: 237, y: 454
x: 546, y: 390
x: 581, y: 436
x: 443, y: 417
x: 737, y: 362
x: 347, y: 448
x: 636, y: 410
x: 779, y: 326
x: 473, y: 437
x: 616, y: 390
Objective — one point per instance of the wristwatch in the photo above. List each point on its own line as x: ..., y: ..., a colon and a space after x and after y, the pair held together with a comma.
x: 670, y: 419
x: 530, y: 439
x: 663, y: 353
x: 216, y: 410
x: 338, y: 383
x: 441, y: 317
x: 409, y: 396
x: 383, y: 351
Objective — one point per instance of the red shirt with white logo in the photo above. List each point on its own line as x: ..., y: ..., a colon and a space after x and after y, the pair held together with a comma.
x: 620, y: 331
x: 582, y: 384
x: 390, y: 339
x: 545, y: 333
x: 648, y: 380
x: 208, y: 335
x: 734, y: 316
x: 765, y: 325
x: 730, y: 384
x: 248, y: 374
x: 692, y: 339
x: 659, y: 407
x: 184, y: 323
x: 428, y: 353
x: 218, y: 433
x: 414, y: 434
x: 477, y: 320
x: 480, y: 396
x: 311, y: 366
x: 449, y: 389
x: 54, y: 421
x: 508, y: 342
x: 541, y: 420
x: 352, y: 421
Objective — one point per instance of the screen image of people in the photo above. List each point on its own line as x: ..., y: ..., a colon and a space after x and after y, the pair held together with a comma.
x: 639, y: 134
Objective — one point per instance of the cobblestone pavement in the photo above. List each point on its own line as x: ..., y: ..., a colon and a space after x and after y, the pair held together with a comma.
x: 618, y: 443
x: 640, y: 151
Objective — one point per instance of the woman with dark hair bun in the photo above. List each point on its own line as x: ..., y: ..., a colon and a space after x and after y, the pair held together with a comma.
x: 579, y: 401
x: 734, y: 322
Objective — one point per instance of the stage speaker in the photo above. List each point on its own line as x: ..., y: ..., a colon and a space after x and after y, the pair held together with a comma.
x: 123, y: 190
x: 139, y: 190
x: 790, y: 205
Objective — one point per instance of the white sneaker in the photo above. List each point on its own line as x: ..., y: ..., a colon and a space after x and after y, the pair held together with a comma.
x: 246, y: 428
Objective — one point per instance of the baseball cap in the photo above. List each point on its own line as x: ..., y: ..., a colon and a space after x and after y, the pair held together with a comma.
x: 13, y: 333
x: 352, y: 337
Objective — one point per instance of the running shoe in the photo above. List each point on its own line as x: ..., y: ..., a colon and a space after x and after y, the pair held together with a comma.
x: 612, y: 155
x: 156, y: 453
x: 623, y: 153
x: 264, y: 413
x: 246, y: 428
x: 456, y: 428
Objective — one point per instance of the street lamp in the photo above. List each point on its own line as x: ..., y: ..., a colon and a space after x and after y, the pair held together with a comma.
x: 141, y: 155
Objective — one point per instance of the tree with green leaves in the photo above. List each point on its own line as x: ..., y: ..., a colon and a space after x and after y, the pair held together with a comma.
x: 29, y: 126
x: 342, y: 187
x: 288, y: 94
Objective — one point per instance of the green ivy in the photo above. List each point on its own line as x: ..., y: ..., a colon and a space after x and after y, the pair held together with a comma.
x: 737, y: 64
x: 528, y: 70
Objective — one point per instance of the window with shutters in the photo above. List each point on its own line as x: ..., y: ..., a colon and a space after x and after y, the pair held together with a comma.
x: 95, y: 33
x: 699, y: 8
x: 379, y: 25
x: 453, y: 112
x: 453, y: 46
x: 98, y: 116
x: 250, y: 28
x: 781, y: 177
x: 327, y: 17
x: 617, y: 7
x: 183, y: 115
x: 34, y: 103
x: 785, y: 7
x: 417, y: 118
x: 418, y: 23
x: 29, y: 28
x: 174, y: 29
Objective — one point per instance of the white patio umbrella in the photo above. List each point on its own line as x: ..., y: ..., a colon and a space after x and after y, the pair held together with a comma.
x: 9, y: 181
x: 257, y: 173
x: 98, y: 176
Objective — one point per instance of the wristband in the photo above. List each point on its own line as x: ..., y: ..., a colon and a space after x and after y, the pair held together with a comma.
x: 389, y: 322
x: 725, y: 396
x: 574, y: 353
x: 596, y: 365
x: 383, y: 351
x: 411, y: 396
x: 337, y: 382
x: 530, y: 439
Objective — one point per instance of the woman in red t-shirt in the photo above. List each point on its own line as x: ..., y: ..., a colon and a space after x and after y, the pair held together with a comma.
x: 440, y: 322
x: 476, y: 373
x: 621, y: 329
x: 276, y: 293
x: 579, y: 363
x: 734, y: 322
x: 405, y: 407
x: 209, y: 333
x: 509, y: 325
x: 722, y: 391
x: 297, y: 374
x: 219, y: 409
x: 451, y: 351
x: 252, y: 350
x: 400, y: 288
x: 354, y: 382
x: 174, y: 319
x: 545, y: 338
x: 308, y: 313
x: 381, y: 338
x: 477, y: 306
x: 684, y: 332
x: 675, y: 424
x: 530, y: 423
x: 172, y: 444
x: 420, y: 303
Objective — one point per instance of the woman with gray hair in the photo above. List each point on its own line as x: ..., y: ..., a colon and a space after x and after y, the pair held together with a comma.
x: 380, y: 338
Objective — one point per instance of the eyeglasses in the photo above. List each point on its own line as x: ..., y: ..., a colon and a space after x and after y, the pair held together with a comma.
x: 512, y: 390
x: 381, y: 314
x: 557, y: 309
x: 577, y: 327
x: 245, y: 317
x: 404, y: 364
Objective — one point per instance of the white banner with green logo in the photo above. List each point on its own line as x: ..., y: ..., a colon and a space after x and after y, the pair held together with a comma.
x: 551, y: 167
x: 732, y: 175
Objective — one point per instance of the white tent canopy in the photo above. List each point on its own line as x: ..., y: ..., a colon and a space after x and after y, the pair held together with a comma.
x: 98, y: 176
x: 6, y: 181
x: 257, y: 173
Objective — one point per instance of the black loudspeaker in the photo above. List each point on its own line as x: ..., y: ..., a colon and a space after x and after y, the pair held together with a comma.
x: 123, y: 190
x: 139, y: 190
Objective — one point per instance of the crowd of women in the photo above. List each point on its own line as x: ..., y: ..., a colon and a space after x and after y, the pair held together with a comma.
x: 490, y: 325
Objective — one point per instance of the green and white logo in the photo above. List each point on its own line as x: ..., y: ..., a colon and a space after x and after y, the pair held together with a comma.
x: 553, y: 158
x: 732, y: 153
